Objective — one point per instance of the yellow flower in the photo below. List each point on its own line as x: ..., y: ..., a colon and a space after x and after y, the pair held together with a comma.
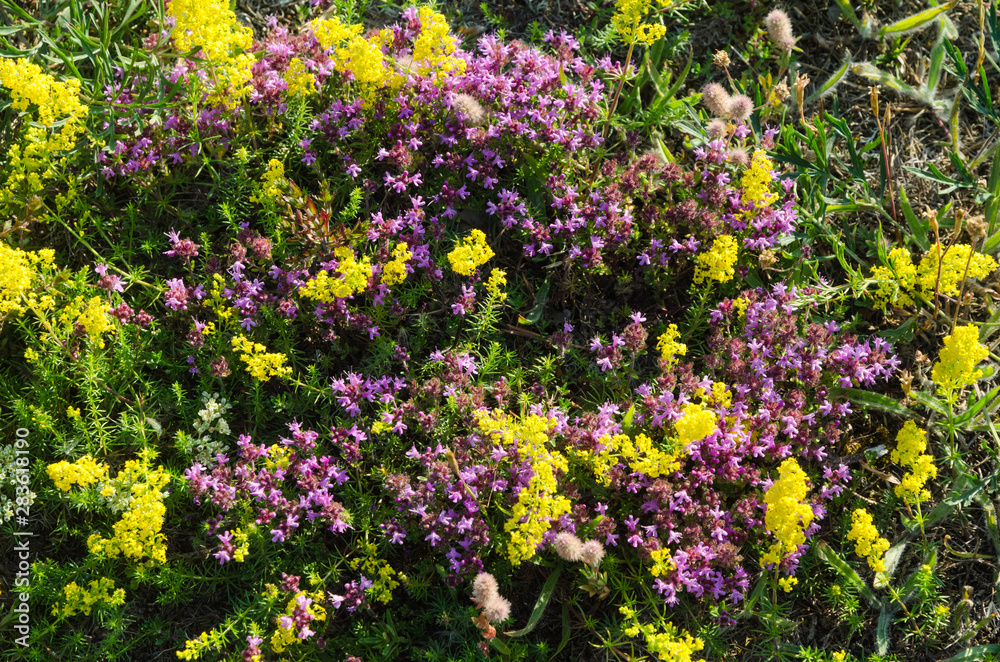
x: 787, y: 515
x: 627, y: 22
x: 260, y: 364
x: 300, y: 81
x: 394, y: 271
x: 100, y: 591
x: 695, y: 424
x: 911, y: 442
x: 83, y: 472
x: 718, y: 262
x: 496, y: 283
x: 470, y: 253
x: 956, y: 366
x: 434, y: 49
x: 211, y: 26
x: 669, y: 347
x: 539, y: 504
x: 757, y: 179
x: 354, y: 278
x: 868, y: 544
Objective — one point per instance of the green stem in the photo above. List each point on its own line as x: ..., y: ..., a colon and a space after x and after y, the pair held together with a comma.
x: 621, y: 84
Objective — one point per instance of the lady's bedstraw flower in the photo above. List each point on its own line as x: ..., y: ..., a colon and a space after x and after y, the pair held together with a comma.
x: 868, y: 544
x: 757, y: 180
x: 434, y: 49
x: 627, y: 22
x: 261, y: 364
x: 100, y: 592
x: 470, y: 253
x: 911, y: 442
x: 956, y: 366
x: 787, y: 515
x: 394, y: 272
x: 669, y: 348
x: 718, y: 262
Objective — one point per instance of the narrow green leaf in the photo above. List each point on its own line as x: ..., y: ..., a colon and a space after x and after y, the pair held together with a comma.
x: 540, y: 605
x: 918, y: 226
x: 848, y: 11
x: 847, y: 572
x: 971, y: 413
x: 975, y: 653
x: 929, y: 401
x: 882, y: 631
x: 500, y: 646
x: 564, y: 639
x: 870, y: 400
x: 893, y: 556
x: 916, y: 21
x: 830, y: 82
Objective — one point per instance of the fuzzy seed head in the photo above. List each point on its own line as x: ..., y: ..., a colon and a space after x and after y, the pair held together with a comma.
x: 592, y: 553
x: 779, y: 28
x: 716, y: 99
x: 471, y: 110
x: 740, y: 107
x: 484, y: 588
x: 740, y: 157
x: 717, y: 128
x: 496, y: 609
x: 568, y: 546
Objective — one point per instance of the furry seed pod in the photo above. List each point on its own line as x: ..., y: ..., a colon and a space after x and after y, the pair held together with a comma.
x: 716, y: 99
x: 471, y: 111
x: 484, y: 588
x: 779, y: 28
x: 740, y: 107
x: 568, y: 546
x: 716, y: 129
x: 740, y: 157
x: 496, y: 609
x: 592, y: 553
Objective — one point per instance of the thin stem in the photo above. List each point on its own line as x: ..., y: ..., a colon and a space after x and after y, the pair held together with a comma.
x: 621, y: 84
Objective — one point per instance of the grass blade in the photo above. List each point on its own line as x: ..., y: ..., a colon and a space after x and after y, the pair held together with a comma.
x: 540, y: 605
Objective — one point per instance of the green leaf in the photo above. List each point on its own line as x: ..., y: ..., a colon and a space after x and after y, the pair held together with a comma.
x: 564, y: 639
x: 969, y: 414
x: 916, y: 21
x: 870, y: 400
x: 975, y: 653
x: 893, y: 556
x: 500, y: 646
x: 540, y: 605
x: 882, y: 631
x: 847, y: 572
x: 903, y: 333
x: 929, y: 401
x: 830, y: 82
x: 918, y: 227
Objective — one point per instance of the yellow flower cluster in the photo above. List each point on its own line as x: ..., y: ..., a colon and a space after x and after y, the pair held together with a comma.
x: 787, y: 515
x: 354, y: 278
x: 496, y: 283
x: 18, y: 272
x: 669, y: 348
x: 718, y: 262
x: 470, y: 253
x: 300, y: 81
x: 670, y: 645
x: 757, y: 179
x: 695, y: 424
x: 261, y: 364
x: 195, y: 648
x: 911, y: 442
x: 351, y: 52
x: 867, y: 541
x: 30, y: 163
x: 901, y: 280
x: 956, y: 366
x: 662, y: 563
x: 434, y: 49
x: 138, y: 533
x: 539, y: 504
x: 212, y: 26
x: 627, y: 22
x: 83, y: 472
x: 787, y: 583
x: 641, y: 455
x: 895, y: 282
x: 100, y: 591
x: 283, y: 638
x: 378, y: 571
x: 394, y: 272
x: 94, y: 318
x: 273, y: 181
